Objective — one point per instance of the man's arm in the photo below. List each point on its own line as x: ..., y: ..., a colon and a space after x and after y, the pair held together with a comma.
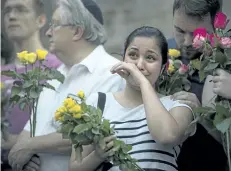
x: 9, y: 142
x: 50, y: 143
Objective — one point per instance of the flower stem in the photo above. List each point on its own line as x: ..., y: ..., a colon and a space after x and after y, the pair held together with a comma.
x: 34, y: 117
x: 228, y: 148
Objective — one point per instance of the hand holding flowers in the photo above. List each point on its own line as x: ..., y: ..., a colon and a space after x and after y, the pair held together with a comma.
x: 84, y: 125
x: 216, y: 61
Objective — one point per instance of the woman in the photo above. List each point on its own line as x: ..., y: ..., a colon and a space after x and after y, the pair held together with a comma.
x: 154, y: 126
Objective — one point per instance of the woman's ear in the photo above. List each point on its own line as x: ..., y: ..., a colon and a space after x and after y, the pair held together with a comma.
x: 41, y: 21
x: 78, y: 33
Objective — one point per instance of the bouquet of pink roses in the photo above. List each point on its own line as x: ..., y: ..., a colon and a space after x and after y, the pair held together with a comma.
x: 216, y: 48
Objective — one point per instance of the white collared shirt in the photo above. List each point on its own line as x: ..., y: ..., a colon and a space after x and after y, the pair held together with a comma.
x: 91, y: 75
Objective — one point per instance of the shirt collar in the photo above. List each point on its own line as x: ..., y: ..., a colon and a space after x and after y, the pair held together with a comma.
x: 91, y: 60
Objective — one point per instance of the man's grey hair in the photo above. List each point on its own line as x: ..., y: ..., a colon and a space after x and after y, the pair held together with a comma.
x: 74, y: 13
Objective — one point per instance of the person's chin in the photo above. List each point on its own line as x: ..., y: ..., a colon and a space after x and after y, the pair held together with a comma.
x: 52, y: 48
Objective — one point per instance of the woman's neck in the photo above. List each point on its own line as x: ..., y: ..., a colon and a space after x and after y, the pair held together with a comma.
x: 129, y: 97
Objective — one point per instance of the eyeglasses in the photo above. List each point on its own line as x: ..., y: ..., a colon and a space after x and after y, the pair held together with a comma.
x: 53, y: 25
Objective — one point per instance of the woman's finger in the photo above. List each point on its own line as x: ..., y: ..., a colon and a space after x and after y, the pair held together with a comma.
x: 110, y: 138
x: 115, y: 66
x: 123, y: 74
x: 109, y: 146
x: 36, y: 160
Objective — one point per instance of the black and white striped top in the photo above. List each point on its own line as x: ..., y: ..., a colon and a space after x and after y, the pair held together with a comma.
x: 131, y: 127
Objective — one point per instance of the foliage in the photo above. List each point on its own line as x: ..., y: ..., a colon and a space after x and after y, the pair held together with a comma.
x: 27, y: 86
x: 174, y: 77
x: 216, y: 50
x: 84, y: 125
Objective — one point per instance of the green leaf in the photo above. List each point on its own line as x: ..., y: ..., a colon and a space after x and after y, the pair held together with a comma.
x: 15, y: 90
x: 34, y: 92
x: 106, y: 124
x: 211, y: 66
x: 67, y: 128
x: 202, y: 75
x: 218, y: 118
x: 204, y: 64
x: 27, y: 84
x: 221, y: 110
x: 82, y: 128
x: 12, y: 74
x: 220, y: 57
x: 47, y: 85
x: 228, y: 53
x: 196, y: 64
x: 224, y: 125
x: 14, y: 99
x: 23, y: 104
x: 96, y: 131
x: 55, y: 74
x: 202, y: 110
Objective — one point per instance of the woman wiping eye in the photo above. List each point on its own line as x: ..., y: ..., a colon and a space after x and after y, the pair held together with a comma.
x: 155, y: 126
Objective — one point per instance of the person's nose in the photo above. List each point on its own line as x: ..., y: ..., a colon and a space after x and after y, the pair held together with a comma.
x: 49, y: 32
x: 188, y: 39
x: 140, y: 64
x: 12, y: 15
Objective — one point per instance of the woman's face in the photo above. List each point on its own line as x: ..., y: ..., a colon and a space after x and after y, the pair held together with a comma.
x: 145, y: 53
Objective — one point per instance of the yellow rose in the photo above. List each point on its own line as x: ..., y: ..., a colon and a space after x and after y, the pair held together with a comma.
x: 2, y: 85
x: 77, y: 115
x: 171, y: 68
x: 57, y: 115
x: 62, y: 109
x: 21, y: 56
x: 69, y: 103
x: 75, y: 109
x: 81, y: 94
x: 41, y: 54
x: 173, y: 53
x: 30, y: 58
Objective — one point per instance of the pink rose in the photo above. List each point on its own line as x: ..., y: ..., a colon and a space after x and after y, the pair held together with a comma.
x: 200, y: 31
x: 183, y: 69
x: 220, y: 21
x: 214, y: 39
x: 225, y: 42
x: 198, y: 42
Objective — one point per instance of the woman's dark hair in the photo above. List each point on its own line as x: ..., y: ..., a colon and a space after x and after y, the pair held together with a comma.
x: 149, y: 32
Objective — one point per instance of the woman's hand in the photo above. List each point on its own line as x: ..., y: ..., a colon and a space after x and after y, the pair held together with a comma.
x: 108, y: 150
x: 129, y: 72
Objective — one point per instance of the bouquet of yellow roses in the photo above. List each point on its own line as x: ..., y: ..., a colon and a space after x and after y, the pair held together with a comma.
x: 28, y: 85
x: 174, y: 76
x: 84, y: 125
